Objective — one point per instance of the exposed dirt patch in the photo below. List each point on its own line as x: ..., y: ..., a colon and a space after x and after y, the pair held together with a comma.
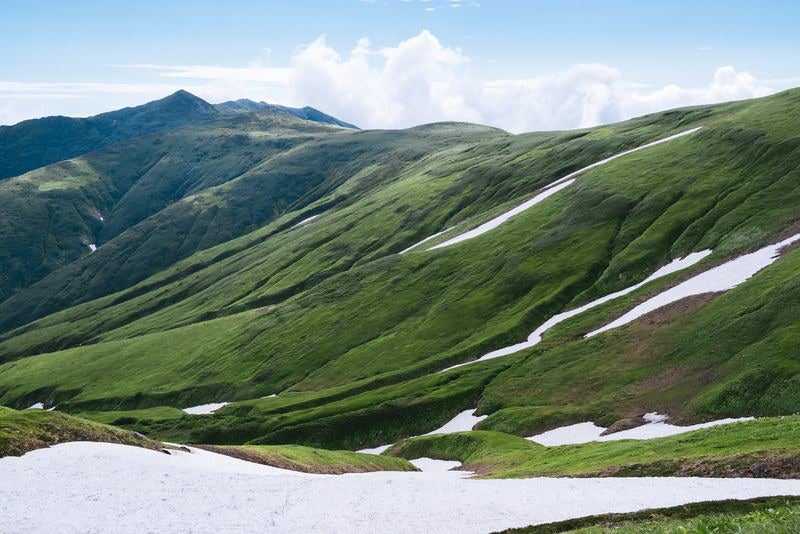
x: 666, y: 314
x: 624, y: 424
x: 738, y: 466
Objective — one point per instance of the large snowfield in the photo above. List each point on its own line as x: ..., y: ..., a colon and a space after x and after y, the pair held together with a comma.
x: 97, y: 487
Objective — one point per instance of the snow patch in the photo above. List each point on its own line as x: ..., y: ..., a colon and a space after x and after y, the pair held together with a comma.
x: 462, y: 422
x: 80, y: 487
x: 536, y: 335
x: 551, y: 189
x: 721, y: 278
x: 306, y: 220
x: 434, y: 236
x: 92, y: 247
x: 570, y: 434
x: 375, y: 450
x: 431, y: 464
x: 655, y: 417
x: 500, y: 219
x: 656, y: 427
x: 36, y: 406
x: 204, y: 409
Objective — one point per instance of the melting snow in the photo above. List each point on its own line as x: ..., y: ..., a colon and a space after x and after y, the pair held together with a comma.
x: 101, y: 487
x: 36, y: 406
x: 536, y: 335
x: 721, y: 278
x: 657, y: 427
x: 500, y: 219
x: 552, y: 189
x: 418, y: 243
x: 462, y: 422
x: 306, y: 220
x: 204, y: 409
x: 431, y: 464
x: 655, y: 417
x: 376, y: 450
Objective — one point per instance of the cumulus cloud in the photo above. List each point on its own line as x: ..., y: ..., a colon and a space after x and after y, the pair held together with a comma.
x: 419, y: 80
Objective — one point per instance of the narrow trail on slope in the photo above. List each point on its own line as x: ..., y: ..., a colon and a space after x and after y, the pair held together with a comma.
x: 551, y: 189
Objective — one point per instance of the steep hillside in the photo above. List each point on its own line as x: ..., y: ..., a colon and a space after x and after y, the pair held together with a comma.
x: 35, y: 143
x: 51, y: 216
x: 302, y: 281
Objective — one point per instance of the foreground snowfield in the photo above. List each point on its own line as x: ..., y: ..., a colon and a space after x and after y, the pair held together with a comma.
x: 96, y: 487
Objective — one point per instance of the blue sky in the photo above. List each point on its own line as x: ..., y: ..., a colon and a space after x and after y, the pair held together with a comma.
x: 558, y: 64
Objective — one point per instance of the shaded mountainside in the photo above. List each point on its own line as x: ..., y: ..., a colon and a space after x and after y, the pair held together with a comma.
x: 51, y: 215
x: 308, y: 113
x: 230, y: 291
x: 35, y: 143
x: 38, y: 142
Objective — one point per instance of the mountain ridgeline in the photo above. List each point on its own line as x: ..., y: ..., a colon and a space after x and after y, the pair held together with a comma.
x: 35, y: 143
x: 181, y: 253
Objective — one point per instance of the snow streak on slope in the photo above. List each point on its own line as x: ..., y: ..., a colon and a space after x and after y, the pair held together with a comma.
x: 553, y: 188
x: 204, y: 409
x: 418, y: 243
x: 462, y: 422
x: 101, y: 487
x: 536, y: 335
x: 586, y: 432
x: 306, y: 221
x: 500, y: 219
x: 721, y: 278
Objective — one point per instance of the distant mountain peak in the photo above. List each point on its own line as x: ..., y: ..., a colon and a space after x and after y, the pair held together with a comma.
x: 245, y: 105
x: 181, y: 101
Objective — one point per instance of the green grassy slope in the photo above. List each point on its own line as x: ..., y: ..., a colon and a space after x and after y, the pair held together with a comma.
x: 276, y: 268
x: 329, y: 314
x: 159, y: 187
x: 35, y: 143
x: 310, y: 460
x: 27, y: 430
x: 768, y: 514
x: 761, y: 448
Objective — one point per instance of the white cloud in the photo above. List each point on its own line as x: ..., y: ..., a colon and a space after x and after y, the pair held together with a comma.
x: 419, y: 80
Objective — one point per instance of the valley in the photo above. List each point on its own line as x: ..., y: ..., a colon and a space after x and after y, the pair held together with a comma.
x: 284, y: 307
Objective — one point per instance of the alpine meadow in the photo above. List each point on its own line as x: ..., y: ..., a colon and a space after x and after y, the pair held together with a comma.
x: 238, y: 316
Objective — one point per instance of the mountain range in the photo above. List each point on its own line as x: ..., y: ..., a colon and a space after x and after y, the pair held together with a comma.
x: 333, y: 287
